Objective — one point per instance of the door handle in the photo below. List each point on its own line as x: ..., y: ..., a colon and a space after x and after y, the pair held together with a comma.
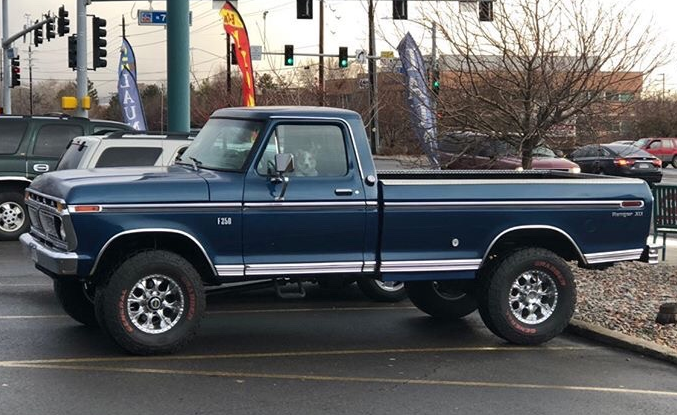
x: 343, y: 192
x: 41, y: 168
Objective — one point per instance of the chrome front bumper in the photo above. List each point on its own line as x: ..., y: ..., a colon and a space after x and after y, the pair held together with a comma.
x: 650, y: 254
x: 56, y: 262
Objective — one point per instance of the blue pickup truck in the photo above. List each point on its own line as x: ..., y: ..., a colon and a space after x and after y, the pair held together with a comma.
x: 278, y: 192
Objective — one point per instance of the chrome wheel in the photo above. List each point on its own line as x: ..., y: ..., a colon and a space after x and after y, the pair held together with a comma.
x: 390, y: 286
x: 155, y: 304
x: 12, y: 217
x: 533, y: 297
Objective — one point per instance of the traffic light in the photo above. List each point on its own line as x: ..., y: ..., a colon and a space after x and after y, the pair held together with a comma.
x: 288, y: 55
x: 304, y: 9
x: 486, y: 10
x: 233, y: 54
x: 435, y: 81
x: 16, y: 72
x: 343, y: 57
x: 99, y: 42
x: 50, y: 30
x: 37, y: 35
x: 73, y: 52
x: 399, y: 9
x: 63, y: 26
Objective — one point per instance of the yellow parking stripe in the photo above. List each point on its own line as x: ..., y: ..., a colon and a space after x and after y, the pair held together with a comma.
x: 508, y: 349
x: 349, y: 379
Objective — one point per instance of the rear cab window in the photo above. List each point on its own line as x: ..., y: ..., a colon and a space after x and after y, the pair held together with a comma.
x: 11, y: 133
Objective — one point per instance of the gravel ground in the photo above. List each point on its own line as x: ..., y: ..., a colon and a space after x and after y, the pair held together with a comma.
x: 626, y: 298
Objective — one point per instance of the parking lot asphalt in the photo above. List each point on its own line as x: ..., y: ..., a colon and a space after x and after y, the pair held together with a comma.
x: 334, y: 352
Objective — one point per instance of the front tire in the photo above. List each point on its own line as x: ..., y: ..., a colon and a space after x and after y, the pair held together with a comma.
x: 382, y: 291
x: 77, y: 300
x: 13, y: 216
x: 444, y: 300
x: 529, y: 298
x: 674, y: 162
x: 152, y: 303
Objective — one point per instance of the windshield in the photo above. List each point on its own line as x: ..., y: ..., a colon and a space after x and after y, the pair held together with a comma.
x: 71, y: 158
x: 222, y: 144
x: 642, y: 142
x: 543, y: 151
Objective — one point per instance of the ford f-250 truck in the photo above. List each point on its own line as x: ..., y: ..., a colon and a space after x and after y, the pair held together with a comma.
x: 291, y: 192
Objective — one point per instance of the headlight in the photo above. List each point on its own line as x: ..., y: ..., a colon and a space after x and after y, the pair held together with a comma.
x: 575, y: 169
x: 520, y: 168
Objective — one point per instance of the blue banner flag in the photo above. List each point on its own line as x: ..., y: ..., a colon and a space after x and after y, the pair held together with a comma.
x: 128, y: 91
x: 127, y: 58
x: 421, y: 104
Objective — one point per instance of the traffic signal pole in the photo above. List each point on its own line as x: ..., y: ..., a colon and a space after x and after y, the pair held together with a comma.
x: 178, y: 66
x: 81, y: 70
x: 6, y: 78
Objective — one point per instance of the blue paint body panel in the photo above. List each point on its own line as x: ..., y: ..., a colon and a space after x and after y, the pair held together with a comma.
x: 398, y: 225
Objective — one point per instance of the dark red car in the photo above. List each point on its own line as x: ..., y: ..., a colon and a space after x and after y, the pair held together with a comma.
x: 664, y: 148
x: 468, y: 151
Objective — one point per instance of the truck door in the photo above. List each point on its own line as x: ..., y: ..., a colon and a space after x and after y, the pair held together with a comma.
x: 318, y: 226
x: 50, y: 143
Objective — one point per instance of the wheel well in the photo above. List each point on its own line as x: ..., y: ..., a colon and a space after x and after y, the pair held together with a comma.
x: 126, y: 245
x: 547, y: 238
x: 13, y: 186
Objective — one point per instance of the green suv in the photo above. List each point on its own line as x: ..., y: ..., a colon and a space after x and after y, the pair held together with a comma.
x: 30, y: 146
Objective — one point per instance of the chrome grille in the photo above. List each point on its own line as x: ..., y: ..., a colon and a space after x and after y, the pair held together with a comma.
x: 35, y: 219
x: 47, y: 222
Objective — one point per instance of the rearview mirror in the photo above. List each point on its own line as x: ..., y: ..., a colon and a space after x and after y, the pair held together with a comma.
x: 284, y: 163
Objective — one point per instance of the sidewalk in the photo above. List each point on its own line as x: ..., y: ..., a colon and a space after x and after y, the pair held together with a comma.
x: 670, y: 248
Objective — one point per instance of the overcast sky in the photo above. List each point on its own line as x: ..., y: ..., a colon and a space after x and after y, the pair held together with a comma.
x: 345, y: 25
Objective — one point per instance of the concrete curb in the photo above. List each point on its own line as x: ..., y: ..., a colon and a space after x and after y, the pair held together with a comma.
x: 622, y: 341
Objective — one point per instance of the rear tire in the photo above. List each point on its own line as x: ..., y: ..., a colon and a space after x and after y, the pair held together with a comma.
x: 152, y: 303
x: 77, y: 300
x: 382, y: 291
x: 529, y: 298
x: 444, y: 300
x: 13, y: 216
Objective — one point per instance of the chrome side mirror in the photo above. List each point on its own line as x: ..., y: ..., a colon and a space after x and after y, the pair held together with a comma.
x: 284, y: 163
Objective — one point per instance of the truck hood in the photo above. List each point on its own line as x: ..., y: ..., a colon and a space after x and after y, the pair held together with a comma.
x: 124, y: 185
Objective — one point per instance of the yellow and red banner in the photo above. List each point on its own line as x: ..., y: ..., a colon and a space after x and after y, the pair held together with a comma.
x: 234, y: 26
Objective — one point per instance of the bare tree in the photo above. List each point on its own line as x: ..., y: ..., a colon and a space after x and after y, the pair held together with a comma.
x: 541, y: 67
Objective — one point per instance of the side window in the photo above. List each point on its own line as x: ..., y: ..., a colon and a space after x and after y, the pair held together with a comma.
x: 655, y: 144
x: 129, y: 156
x: 52, y: 139
x: 11, y: 133
x: 319, y: 150
x: 666, y: 143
